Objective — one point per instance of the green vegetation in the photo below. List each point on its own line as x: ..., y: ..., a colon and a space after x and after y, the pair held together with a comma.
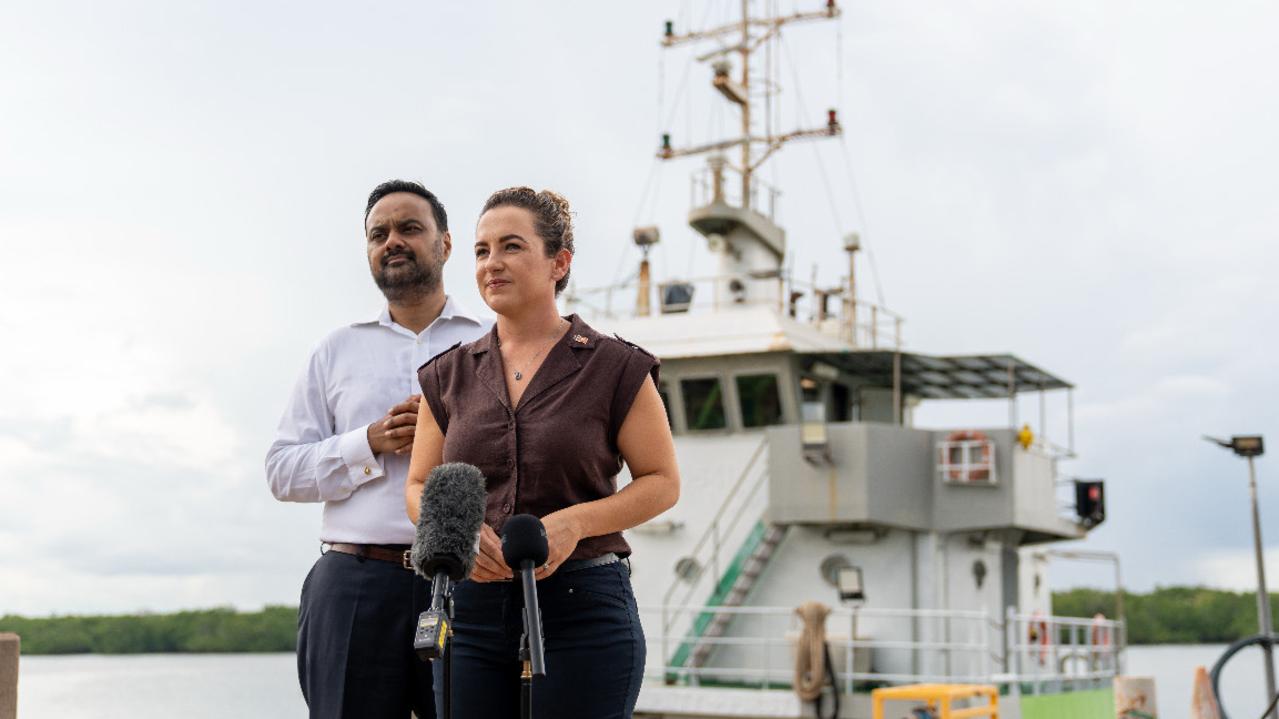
x: 1168, y: 615
x: 1171, y: 615
x: 274, y: 629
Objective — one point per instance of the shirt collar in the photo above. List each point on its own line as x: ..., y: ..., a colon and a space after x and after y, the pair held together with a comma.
x: 452, y: 310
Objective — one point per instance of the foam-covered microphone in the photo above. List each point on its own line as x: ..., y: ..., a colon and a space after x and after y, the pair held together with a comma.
x: 448, y: 531
x: 525, y: 549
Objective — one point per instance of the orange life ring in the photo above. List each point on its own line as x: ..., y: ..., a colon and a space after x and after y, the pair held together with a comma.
x: 1037, y: 633
x: 955, y: 470
x: 1099, y: 633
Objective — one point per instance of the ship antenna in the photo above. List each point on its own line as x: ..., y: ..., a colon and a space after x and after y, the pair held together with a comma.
x: 751, y: 34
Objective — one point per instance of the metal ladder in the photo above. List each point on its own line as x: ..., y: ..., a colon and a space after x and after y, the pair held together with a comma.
x: 739, y: 576
x: 735, y: 586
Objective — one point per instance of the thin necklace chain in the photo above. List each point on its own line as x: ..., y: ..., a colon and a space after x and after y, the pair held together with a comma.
x: 519, y: 373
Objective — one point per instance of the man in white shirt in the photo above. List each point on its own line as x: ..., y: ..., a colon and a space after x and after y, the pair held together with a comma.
x: 345, y: 440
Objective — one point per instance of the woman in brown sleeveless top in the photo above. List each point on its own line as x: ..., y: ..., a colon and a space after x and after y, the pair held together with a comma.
x: 548, y: 409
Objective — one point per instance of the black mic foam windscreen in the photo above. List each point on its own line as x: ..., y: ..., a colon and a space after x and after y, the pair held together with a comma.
x: 448, y: 524
x: 524, y: 538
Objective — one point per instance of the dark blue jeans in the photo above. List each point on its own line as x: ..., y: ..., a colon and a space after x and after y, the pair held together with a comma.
x: 594, y: 647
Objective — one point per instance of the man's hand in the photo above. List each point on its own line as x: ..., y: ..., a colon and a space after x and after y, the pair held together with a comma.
x: 394, y: 432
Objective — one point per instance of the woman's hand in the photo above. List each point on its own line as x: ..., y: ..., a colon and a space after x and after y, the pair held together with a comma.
x: 489, y: 565
x: 563, y: 532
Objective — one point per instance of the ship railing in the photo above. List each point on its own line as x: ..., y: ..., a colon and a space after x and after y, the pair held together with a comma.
x: 864, y: 325
x: 1051, y: 653
x: 1052, y: 450
x: 904, y: 646
x: 763, y: 196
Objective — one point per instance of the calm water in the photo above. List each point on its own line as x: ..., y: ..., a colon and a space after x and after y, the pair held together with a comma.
x: 1242, y: 683
x: 152, y: 686
x: 200, y: 686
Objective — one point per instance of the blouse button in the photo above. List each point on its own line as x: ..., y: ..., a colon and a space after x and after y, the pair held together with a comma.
x: 506, y: 507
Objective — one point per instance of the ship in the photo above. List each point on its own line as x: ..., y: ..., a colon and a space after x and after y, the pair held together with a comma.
x: 805, y: 479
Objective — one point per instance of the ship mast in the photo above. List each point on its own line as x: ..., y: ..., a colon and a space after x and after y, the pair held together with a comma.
x: 750, y: 247
x: 738, y: 92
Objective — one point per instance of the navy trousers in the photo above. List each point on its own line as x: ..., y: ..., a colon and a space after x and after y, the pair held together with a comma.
x: 355, y: 640
x: 594, y: 647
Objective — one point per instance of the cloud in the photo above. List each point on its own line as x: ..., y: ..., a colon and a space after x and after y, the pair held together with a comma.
x: 1234, y: 569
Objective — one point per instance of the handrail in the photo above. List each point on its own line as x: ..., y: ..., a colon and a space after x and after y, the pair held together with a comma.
x: 863, y: 324
x: 760, y: 663
x: 1044, y: 660
x: 712, y: 530
x: 575, y: 294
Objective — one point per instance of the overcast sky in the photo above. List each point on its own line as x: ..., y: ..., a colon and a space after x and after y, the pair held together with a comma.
x: 1087, y: 184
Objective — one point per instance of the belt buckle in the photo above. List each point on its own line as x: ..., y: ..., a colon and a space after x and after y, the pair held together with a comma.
x: 408, y: 559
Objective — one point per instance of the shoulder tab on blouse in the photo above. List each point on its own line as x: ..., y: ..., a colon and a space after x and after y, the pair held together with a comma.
x: 633, y: 346
x: 428, y: 362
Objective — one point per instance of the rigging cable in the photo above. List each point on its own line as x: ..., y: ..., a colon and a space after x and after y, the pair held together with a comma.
x: 861, y: 212
x: 821, y: 166
x: 653, y: 171
x: 848, y: 166
x: 848, y: 169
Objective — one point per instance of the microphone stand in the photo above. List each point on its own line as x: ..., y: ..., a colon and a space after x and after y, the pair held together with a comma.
x: 435, y: 630
x: 442, y: 594
x: 532, y: 658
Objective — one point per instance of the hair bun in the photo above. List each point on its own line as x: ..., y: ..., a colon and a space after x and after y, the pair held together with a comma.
x: 561, y: 204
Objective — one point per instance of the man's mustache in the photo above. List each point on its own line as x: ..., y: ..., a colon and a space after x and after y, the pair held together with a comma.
x: 402, y: 253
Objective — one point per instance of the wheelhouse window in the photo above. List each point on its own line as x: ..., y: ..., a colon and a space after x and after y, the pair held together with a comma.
x: 703, y: 404
x: 760, y: 399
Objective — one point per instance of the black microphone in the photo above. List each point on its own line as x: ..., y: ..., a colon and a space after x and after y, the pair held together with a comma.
x: 448, y: 531
x: 524, y: 548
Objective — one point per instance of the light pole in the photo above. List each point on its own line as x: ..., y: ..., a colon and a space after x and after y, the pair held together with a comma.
x: 1251, y: 447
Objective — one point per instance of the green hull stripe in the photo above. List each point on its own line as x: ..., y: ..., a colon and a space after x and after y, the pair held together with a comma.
x: 1092, y: 704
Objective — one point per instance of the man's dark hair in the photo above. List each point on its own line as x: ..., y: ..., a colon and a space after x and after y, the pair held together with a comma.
x: 393, y: 186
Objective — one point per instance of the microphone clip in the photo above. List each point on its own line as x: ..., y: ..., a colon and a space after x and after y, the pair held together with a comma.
x: 433, y: 631
x: 435, y: 626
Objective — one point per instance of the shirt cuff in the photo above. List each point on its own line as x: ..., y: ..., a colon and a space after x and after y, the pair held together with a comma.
x: 357, y: 455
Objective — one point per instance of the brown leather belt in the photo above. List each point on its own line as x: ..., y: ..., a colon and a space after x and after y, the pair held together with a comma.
x: 394, y: 553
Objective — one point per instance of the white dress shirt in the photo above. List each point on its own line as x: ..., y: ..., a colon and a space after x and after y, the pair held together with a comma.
x: 321, y: 451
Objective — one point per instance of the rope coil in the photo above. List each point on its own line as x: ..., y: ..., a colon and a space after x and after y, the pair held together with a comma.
x: 813, y: 670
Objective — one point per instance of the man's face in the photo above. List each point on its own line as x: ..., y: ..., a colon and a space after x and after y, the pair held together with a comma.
x: 406, y: 250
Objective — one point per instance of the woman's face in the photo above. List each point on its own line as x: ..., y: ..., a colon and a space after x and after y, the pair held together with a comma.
x: 512, y: 270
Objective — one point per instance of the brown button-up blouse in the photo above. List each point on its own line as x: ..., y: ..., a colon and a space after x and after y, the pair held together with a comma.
x: 559, y: 446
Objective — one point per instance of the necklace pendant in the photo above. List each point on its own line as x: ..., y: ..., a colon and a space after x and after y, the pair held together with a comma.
x: 518, y: 376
